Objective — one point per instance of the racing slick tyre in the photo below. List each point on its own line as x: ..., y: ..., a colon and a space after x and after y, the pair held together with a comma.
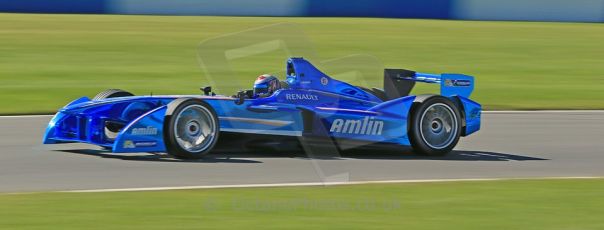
x: 191, y: 128
x: 435, y: 126
x: 110, y: 93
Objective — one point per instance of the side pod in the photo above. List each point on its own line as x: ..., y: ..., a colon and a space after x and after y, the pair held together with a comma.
x: 144, y: 134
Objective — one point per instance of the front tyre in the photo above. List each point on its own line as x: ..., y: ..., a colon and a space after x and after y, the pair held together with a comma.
x: 435, y: 126
x: 191, y: 128
x: 112, y: 93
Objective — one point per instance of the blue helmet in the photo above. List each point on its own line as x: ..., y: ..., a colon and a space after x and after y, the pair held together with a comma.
x: 265, y: 85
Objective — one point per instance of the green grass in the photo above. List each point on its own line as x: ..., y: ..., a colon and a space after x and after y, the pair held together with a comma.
x: 514, y: 204
x: 48, y: 60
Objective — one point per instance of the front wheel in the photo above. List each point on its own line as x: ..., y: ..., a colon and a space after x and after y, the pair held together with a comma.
x: 435, y: 126
x: 112, y: 93
x: 191, y: 128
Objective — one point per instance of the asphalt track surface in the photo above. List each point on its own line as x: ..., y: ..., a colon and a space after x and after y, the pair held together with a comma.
x: 510, y: 145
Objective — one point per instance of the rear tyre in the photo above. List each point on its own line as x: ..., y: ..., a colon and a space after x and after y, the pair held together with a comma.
x: 111, y: 93
x: 435, y: 126
x: 191, y: 128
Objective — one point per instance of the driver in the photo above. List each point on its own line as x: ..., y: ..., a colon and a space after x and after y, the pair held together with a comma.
x: 265, y: 85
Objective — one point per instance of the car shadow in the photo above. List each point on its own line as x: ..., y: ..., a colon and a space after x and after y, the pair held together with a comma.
x: 246, y: 156
x: 155, y: 157
x: 456, y: 155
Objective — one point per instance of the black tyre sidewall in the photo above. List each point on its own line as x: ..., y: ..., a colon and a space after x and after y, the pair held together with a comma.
x: 112, y: 93
x: 417, y: 142
x: 172, y: 146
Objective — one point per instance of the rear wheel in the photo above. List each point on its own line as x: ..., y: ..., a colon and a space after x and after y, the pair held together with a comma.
x: 111, y: 93
x: 191, y: 128
x: 435, y: 126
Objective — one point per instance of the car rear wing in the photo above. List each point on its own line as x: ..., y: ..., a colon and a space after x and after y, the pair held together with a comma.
x: 399, y: 82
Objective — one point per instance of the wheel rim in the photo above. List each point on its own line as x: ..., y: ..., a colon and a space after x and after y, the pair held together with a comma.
x: 438, y: 126
x: 195, y: 128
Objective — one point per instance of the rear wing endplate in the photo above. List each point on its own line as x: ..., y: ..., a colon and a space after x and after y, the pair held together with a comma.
x: 400, y: 81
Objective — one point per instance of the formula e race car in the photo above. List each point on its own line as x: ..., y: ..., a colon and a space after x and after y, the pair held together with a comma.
x: 308, y: 104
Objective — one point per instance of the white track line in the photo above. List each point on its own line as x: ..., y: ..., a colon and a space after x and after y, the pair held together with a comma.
x: 315, y: 184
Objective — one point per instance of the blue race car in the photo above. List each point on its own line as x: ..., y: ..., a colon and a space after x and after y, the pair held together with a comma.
x: 309, y: 105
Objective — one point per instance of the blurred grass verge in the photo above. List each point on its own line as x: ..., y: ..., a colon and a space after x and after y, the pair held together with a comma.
x: 48, y: 60
x: 510, y: 204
